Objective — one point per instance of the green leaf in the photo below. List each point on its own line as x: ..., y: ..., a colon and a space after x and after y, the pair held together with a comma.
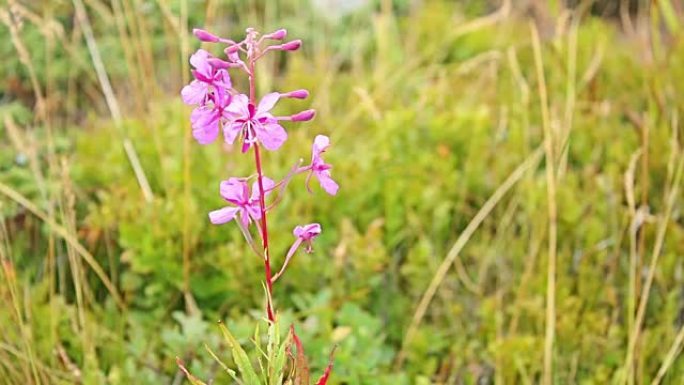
x: 228, y: 370
x: 240, y: 357
x: 277, y: 363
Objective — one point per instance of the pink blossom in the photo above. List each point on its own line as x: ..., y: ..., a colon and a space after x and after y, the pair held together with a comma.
x: 211, y: 92
x: 303, y: 234
x: 205, y: 124
x: 307, y: 233
x: 255, y: 123
x: 236, y: 191
x: 210, y: 83
x: 319, y: 168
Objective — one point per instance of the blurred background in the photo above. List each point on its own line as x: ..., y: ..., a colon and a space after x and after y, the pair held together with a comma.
x: 510, y: 208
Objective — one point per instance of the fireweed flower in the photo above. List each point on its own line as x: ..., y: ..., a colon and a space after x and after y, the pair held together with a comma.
x: 256, y: 123
x: 303, y: 234
x: 211, y: 92
x: 205, y: 122
x: 207, y: 80
x: 319, y: 168
x: 306, y: 234
x: 236, y: 191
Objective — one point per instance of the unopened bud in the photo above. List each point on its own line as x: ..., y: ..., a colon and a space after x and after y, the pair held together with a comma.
x: 218, y: 63
x: 205, y: 36
x: 298, y: 94
x: 232, y: 53
x: 303, y: 116
x: 291, y: 45
x: 277, y: 35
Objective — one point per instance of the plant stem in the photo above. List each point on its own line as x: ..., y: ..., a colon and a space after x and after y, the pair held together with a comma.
x: 288, y: 257
x: 262, y: 204
x: 551, y: 271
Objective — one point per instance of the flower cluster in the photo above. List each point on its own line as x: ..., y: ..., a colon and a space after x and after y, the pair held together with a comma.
x: 220, y: 108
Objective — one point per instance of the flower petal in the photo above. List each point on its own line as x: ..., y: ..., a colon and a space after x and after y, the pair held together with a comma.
x: 231, y: 131
x: 238, y: 106
x: 245, y: 213
x: 307, y: 232
x: 329, y: 185
x: 222, y: 79
x: 254, y: 210
x: 199, y: 61
x: 233, y: 190
x: 195, y: 92
x: 320, y: 144
x: 267, y: 102
x: 205, y: 125
x: 269, y: 185
x: 272, y: 135
x: 224, y: 215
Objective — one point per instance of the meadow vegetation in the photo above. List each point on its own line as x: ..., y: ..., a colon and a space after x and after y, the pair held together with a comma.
x: 510, y: 209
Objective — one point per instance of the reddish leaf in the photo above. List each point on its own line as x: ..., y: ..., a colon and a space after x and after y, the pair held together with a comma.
x: 324, y: 378
x: 302, y: 375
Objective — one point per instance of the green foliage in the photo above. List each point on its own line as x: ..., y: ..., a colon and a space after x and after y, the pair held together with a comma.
x: 283, y: 361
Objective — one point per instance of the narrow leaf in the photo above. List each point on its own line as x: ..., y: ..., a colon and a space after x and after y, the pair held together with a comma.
x: 228, y: 370
x: 193, y: 380
x: 324, y: 378
x: 302, y: 375
x: 278, y: 363
x: 240, y: 357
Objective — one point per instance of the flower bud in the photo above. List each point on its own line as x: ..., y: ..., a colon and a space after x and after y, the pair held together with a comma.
x: 297, y: 94
x: 205, y: 36
x: 291, y: 45
x: 232, y: 53
x: 218, y: 63
x: 303, y: 116
x: 277, y: 35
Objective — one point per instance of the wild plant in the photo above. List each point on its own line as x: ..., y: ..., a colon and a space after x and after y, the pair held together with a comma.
x: 251, y: 125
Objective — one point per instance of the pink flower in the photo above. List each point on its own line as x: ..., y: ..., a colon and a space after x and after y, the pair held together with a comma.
x: 211, y: 92
x: 319, y: 168
x: 210, y: 84
x: 255, y: 123
x: 303, y: 234
x: 236, y: 191
x: 205, y: 123
x: 306, y: 234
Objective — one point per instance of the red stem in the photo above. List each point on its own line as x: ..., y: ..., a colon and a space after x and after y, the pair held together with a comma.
x: 262, y: 205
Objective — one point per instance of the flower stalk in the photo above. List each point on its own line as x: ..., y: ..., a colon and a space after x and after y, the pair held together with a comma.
x: 262, y: 203
x: 264, y: 235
